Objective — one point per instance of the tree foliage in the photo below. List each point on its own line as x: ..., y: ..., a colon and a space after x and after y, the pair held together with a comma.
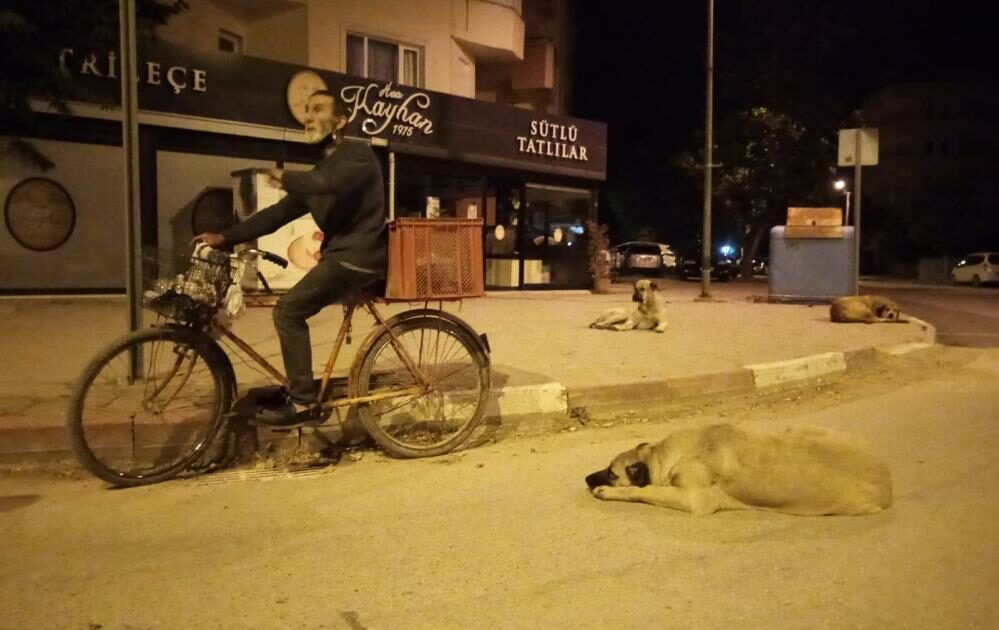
x: 779, y: 103
x: 32, y: 32
x: 769, y: 161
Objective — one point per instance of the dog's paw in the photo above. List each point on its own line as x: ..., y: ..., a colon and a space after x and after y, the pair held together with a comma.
x: 612, y: 493
x: 602, y: 492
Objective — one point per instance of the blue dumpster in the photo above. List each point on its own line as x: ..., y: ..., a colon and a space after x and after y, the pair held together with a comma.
x: 810, y: 269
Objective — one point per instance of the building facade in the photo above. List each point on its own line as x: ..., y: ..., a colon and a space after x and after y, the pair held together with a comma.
x: 463, y: 101
x: 938, y: 153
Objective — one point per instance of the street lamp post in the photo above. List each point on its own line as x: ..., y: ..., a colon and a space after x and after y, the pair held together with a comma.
x: 841, y: 185
x: 708, y: 155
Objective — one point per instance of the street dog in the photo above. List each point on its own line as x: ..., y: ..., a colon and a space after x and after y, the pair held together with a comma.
x: 650, y: 314
x: 867, y: 309
x: 803, y: 471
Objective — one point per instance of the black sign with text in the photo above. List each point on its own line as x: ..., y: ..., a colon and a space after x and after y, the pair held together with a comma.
x: 229, y: 87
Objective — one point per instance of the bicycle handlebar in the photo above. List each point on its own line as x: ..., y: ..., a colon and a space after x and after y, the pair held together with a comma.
x: 268, y: 256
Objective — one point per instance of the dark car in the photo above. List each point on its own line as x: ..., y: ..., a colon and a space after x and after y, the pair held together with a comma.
x: 723, y: 268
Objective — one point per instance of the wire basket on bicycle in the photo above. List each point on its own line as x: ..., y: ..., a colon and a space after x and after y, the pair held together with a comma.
x: 188, y: 289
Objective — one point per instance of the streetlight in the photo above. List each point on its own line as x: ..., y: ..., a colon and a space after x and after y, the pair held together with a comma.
x: 841, y: 185
x: 708, y: 155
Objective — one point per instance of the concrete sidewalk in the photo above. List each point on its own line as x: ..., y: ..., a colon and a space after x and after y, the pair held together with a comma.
x: 545, y: 359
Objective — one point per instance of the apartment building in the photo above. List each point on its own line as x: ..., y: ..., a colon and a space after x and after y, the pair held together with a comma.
x: 938, y: 157
x: 464, y: 101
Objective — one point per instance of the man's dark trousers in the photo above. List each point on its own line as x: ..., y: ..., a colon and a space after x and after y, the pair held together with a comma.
x: 326, y: 283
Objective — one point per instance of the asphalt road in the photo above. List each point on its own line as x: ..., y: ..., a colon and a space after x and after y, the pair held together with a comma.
x: 963, y: 316
x: 507, y: 536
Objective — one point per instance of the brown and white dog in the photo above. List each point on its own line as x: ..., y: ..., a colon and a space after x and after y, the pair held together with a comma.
x: 867, y: 309
x: 803, y: 471
x: 650, y: 314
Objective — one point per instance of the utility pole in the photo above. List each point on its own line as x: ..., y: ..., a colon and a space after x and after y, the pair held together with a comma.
x: 130, y: 145
x: 857, y: 166
x: 708, y: 155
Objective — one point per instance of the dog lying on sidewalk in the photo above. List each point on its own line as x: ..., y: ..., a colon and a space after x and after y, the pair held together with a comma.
x: 650, y: 314
x: 867, y: 309
x: 801, y: 471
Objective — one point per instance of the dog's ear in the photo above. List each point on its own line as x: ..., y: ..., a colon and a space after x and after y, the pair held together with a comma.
x: 653, y: 286
x: 638, y: 474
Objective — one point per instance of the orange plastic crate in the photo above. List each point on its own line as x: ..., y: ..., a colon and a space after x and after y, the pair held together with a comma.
x: 435, y: 259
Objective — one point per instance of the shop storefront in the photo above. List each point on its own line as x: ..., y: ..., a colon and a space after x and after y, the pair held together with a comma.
x: 530, y: 176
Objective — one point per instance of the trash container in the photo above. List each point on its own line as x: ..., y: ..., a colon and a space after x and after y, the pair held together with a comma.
x: 811, y: 258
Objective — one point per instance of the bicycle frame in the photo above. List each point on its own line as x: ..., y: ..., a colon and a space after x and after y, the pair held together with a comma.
x: 345, y: 326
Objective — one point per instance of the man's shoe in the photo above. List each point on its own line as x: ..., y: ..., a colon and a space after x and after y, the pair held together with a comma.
x: 283, y: 416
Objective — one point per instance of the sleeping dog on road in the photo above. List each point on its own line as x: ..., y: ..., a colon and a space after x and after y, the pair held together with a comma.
x: 800, y: 471
x: 867, y: 309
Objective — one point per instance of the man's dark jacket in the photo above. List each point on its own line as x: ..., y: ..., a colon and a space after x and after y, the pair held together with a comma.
x: 345, y: 195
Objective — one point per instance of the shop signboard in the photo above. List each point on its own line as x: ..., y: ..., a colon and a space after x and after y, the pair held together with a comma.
x: 226, y: 87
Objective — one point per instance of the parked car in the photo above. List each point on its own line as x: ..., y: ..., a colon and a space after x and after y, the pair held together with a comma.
x: 760, y: 266
x: 669, y: 256
x: 723, y: 268
x: 642, y: 257
x: 977, y: 268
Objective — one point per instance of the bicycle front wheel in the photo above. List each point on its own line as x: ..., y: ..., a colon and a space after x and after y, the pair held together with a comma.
x: 148, y: 405
x: 451, y: 405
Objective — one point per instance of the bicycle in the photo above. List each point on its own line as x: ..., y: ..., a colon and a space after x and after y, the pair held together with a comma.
x: 148, y: 407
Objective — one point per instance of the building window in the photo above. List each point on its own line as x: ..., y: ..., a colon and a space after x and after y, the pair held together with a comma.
x: 384, y: 60
x: 230, y: 42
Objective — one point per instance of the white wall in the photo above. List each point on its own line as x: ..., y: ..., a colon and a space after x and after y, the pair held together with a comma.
x: 315, y: 34
x: 94, y: 256
x: 282, y: 37
x: 199, y: 27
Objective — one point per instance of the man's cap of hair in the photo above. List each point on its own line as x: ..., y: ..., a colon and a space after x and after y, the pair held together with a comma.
x: 339, y: 107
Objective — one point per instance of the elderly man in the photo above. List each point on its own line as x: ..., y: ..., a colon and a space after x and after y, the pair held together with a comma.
x: 345, y: 195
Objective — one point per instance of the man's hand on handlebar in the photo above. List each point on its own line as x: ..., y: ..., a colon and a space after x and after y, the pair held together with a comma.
x: 274, y: 176
x: 210, y: 239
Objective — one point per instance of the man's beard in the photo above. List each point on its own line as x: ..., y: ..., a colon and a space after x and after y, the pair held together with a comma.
x: 318, y: 135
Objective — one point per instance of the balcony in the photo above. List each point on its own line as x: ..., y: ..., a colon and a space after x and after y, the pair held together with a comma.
x: 537, y: 71
x: 489, y: 30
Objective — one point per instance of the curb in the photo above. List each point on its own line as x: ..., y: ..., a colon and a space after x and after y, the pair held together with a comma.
x: 521, y: 400
x: 748, y: 378
x: 538, y: 402
x: 784, y: 372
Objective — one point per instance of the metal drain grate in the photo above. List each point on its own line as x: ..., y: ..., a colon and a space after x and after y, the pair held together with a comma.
x: 232, y: 476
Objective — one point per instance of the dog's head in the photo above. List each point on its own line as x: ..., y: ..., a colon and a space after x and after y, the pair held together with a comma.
x: 627, y: 469
x: 887, y: 309
x: 644, y: 290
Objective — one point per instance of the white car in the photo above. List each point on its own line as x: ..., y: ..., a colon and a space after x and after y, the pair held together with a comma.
x: 642, y: 256
x: 669, y: 256
x: 978, y: 268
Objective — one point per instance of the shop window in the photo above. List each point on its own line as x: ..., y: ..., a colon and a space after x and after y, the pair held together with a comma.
x: 230, y: 42
x: 554, y: 235
x: 384, y: 60
x: 502, y: 207
x: 433, y: 195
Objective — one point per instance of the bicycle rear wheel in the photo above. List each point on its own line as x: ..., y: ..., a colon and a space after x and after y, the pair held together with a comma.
x: 135, y: 431
x: 431, y: 423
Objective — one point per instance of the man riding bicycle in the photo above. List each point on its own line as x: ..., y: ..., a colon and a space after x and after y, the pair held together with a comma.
x: 345, y: 195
